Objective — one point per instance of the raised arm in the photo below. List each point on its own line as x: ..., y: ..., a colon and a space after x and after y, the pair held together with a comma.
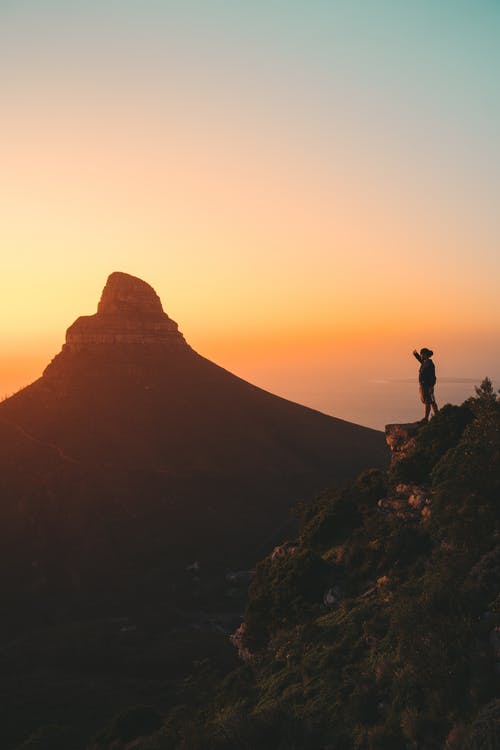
x: 417, y: 356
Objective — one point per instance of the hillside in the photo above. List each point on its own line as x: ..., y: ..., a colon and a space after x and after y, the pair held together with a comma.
x: 378, y: 627
x: 137, y: 480
x: 130, y: 439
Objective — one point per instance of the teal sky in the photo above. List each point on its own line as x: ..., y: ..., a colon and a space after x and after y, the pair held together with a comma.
x: 413, y: 85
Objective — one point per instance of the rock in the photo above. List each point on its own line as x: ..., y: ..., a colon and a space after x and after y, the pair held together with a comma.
x: 284, y: 550
x: 125, y: 294
x: 391, y: 505
x: 404, y: 489
x: 425, y: 513
x: 411, y: 502
x: 129, y: 312
x: 401, y: 439
x: 332, y: 597
x: 237, y: 639
x: 417, y: 501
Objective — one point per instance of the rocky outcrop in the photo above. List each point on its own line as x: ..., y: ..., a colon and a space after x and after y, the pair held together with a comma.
x: 284, y: 550
x: 238, y: 641
x: 332, y: 597
x: 129, y: 312
x: 401, y: 439
x: 410, y: 502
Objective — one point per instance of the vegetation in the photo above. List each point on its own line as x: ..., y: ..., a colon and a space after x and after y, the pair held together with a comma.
x: 373, y: 630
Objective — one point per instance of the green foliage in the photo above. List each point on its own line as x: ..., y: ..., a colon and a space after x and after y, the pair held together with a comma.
x: 371, y: 485
x: 285, y: 591
x: 474, y: 461
x: 335, y: 515
x: 470, y: 474
x: 402, y: 657
x: 486, y: 398
x: 380, y: 547
x: 334, y: 519
x: 433, y: 441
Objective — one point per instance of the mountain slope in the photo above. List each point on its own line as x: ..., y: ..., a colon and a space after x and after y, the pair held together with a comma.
x: 379, y: 627
x: 158, y: 453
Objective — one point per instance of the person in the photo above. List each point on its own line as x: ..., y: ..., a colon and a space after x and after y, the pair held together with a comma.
x: 427, y: 380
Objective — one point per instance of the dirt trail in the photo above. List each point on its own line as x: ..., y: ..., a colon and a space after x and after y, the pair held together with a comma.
x: 44, y: 443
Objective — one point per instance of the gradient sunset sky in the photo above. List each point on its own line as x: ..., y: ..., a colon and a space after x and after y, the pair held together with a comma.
x: 311, y: 187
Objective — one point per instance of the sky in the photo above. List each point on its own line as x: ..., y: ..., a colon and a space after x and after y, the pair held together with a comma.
x: 311, y: 187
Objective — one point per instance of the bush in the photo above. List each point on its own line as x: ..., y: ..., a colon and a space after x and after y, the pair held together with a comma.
x: 432, y: 442
x: 402, y: 658
x: 136, y: 721
x: 334, y: 518
x: 284, y: 592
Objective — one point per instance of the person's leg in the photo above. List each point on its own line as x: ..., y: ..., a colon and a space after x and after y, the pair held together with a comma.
x: 425, y: 400
x: 434, y: 407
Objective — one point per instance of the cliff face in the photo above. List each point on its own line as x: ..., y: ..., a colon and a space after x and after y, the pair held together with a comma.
x: 129, y: 312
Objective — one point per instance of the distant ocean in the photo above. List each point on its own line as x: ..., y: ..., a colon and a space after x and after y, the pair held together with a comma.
x: 375, y: 403
x: 369, y: 400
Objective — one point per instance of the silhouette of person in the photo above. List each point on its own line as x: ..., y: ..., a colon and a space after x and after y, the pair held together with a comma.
x: 427, y: 380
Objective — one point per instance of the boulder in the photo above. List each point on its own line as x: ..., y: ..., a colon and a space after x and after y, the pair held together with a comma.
x: 401, y: 439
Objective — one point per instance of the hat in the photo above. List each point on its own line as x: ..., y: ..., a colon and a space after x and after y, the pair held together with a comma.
x: 426, y: 351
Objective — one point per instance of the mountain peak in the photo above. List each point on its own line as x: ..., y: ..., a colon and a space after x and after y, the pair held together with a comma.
x: 125, y: 294
x: 129, y: 312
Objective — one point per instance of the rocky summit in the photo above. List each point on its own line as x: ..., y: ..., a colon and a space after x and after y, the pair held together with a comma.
x: 129, y: 312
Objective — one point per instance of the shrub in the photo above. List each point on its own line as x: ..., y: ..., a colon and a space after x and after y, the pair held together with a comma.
x: 433, y: 441
x: 283, y: 593
x: 136, y: 721
x: 335, y: 517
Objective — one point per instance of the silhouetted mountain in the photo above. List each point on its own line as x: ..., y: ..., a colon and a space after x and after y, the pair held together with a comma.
x: 133, y: 452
